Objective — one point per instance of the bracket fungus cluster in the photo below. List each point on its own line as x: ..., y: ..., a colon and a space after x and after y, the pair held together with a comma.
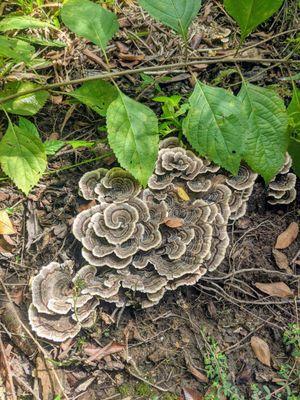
x: 139, y: 243
x: 281, y: 189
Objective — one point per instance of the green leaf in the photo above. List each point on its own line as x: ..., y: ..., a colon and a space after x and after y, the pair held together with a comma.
x: 215, y: 126
x: 295, y: 77
x: 90, y: 20
x: 41, y: 41
x: 251, y: 13
x: 97, y: 95
x: 267, y: 139
x: 22, y: 155
x: 294, y: 110
x: 52, y: 146
x: 294, y: 150
x: 29, y: 104
x: 133, y: 136
x: 76, y: 144
x: 22, y: 22
x: 16, y: 49
x: 177, y: 14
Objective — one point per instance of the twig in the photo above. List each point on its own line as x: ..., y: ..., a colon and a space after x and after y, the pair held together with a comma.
x: 170, y: 67
x: 268, y: 39
x: 41, y: 349
x: 8, y: 371
x: 128, y: 370
x: 234, y: 346
x: 247, y: 270
x: 221, y: 292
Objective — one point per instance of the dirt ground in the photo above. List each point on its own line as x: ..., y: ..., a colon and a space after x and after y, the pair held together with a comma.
x: 163, y: 348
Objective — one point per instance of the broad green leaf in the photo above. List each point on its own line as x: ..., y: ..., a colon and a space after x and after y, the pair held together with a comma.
x: 90, y: 20
x: 294, y: 150
x: 97, y: 95
x: 177, y: 14
x: 22, y: 22
x: 215, y: 126
x: 29, y: 104
x: 251, y: 13
x: 52, y: 146
x: 133, y: 135
x: 22, y: 155
x: 16, y: 49
x: 294, y: 110
x: 267, y: 139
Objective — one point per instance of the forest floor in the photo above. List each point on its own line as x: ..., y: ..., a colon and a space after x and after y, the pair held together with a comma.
x: 198, y: 338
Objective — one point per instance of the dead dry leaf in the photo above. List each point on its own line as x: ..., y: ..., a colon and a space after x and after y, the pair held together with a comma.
x: 86, y: 206
x: 286, y: 238
x: 174, y: 222
x: 194, y: 371
x: 6, y: 227
x: 282, y: 261
x: 277, y: 289
x: 131, y: 57
x: 261, y: 350
x: 49, y: 385
x: 97, y: 352
x: 5, y: 247
x: 191, y: 394
x: 182, y: 194
x: 197, y: 374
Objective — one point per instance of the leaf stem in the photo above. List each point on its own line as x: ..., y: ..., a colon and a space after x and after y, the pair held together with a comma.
x: 166, y: 67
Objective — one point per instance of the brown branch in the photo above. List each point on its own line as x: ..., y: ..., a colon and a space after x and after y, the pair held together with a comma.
x: 166, y: 67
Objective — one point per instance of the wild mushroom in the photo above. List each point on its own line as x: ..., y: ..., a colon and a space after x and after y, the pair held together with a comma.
x: 59, y: 310
x: 140, y: 243
x: 281, y: 189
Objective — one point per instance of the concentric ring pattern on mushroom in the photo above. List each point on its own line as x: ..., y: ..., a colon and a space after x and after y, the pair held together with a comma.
x: 139, y: 243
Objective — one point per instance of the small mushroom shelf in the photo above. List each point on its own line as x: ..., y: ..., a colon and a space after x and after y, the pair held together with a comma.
x: 140, y: 243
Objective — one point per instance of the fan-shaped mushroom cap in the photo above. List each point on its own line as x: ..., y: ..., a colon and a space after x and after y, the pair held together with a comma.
x: 152, y: 299
x: 219, y: 244
x: 287, y: 164
x: 144, y: 281
x: 187, y: 280
x: 82, y: 221
x: 288, y: 197
x: 89, y: 181
x: 59, y: 307
x: 200, y: 184
x: 52, y: 292
x: 283, y: 182
x: 282, y: 188
x: 169, y: 143
x: 105, y: 285
x: 117, y: 186
x: 57, y: 328
x: 245, y: 179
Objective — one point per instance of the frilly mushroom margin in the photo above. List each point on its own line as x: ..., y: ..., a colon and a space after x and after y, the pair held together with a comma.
x: 141, y: 243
